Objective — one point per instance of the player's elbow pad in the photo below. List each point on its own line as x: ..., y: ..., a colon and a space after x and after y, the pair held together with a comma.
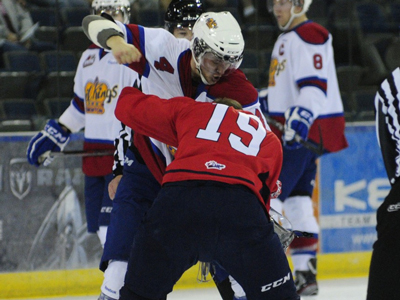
x: 99, y: 30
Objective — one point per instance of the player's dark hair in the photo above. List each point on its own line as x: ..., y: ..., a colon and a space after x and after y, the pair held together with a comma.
x: 229, y: 102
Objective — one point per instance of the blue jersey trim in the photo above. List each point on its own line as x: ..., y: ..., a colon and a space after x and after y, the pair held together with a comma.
x: 146, y: 71
x: 251, y: 104
x: 333, y: 115
x: 76, y: 105
x: 98, y: 141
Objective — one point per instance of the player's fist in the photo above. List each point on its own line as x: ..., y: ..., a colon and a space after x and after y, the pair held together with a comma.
x: 123, y: 52
x: 298, y: 121
x: 53, y: 138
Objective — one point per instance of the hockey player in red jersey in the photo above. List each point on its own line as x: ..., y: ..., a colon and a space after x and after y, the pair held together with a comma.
x: 214, y: 202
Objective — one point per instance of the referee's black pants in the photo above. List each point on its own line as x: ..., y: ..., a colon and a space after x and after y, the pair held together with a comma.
x: 384, y: 272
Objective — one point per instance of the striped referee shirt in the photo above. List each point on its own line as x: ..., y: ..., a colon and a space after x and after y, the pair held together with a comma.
x: 387, y: 106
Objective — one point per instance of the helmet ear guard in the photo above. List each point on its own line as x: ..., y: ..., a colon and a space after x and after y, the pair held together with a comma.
x: 198, y: 48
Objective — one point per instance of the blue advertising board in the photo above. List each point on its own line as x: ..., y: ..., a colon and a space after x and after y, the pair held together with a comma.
x: 352, y: 185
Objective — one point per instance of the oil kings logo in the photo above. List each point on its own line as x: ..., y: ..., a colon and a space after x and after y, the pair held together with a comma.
x: 275, y: 68
x: 96, y: 94
x: 211, y: 23
x: 275, y: 284
x: 212, y: 164
x: 20, y: 177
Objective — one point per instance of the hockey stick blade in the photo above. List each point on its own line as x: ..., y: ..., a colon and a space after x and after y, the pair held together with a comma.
x: 317, y: 149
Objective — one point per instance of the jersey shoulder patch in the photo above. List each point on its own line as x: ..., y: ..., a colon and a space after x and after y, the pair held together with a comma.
x: 312, y: 33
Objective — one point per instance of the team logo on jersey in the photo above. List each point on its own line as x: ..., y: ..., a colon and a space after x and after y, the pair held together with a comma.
x: 20, y: 178
x: 97, y: 94
x: 89, y: 61
x: 211, y: 23
x: 212, y: 164
x: 275, y: 68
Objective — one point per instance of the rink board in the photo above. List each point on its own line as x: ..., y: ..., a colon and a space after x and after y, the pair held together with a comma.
x: 351, y: 185
x: 87, y: 281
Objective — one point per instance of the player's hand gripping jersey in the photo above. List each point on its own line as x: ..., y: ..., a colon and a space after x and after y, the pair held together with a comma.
x: 313, y: 83
x: 166, y: 72
x: 240, y: 149
x: 98, y: 81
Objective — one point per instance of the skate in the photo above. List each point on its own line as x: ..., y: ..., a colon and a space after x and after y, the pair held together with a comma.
x: 105, y: 297
x: 306, y: 281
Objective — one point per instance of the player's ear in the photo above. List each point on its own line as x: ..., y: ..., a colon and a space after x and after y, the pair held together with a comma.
x: 108, y: 17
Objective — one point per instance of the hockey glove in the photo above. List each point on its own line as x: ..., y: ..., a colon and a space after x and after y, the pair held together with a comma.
x: 298, y: 122
x: 53, y: 138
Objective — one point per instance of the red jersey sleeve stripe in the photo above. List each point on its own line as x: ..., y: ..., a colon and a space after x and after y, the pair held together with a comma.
x: 313, y: 81
x: 135, y: 36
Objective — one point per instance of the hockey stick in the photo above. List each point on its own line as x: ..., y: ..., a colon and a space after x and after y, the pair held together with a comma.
x: 82, y: 153
x: 79, y: 153
x: 317, y: 149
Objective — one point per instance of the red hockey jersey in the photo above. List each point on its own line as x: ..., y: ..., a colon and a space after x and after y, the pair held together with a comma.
x: 216, y: 142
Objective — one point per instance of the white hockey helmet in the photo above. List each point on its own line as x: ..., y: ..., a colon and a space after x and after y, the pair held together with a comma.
x: 114, y: 7
x: 304, y: 4
x: 218, y: 34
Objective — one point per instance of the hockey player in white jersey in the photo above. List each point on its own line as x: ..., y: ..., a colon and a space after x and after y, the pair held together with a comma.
x: 303, y: 95
x: 92, y: 108
x: 204, y: 69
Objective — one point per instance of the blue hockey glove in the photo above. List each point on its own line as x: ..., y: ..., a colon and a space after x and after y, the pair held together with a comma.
x: 53, y: 138
x: 298, y: 121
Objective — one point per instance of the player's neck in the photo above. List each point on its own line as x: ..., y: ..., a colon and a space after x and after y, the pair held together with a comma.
x: 298, y: 20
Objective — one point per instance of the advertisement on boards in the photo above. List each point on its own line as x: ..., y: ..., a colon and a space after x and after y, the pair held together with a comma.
x: 352, y: 185
x: 42, y: 216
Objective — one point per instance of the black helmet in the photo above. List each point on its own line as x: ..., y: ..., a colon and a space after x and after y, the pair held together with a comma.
x: 182, y: 13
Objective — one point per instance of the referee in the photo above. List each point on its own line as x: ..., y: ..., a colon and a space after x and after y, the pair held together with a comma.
x: 384, y: 272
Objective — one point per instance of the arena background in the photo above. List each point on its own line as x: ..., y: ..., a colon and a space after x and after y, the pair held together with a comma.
x: 44, y: 247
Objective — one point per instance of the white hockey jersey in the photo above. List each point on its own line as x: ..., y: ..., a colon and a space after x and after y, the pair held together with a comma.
x: 166, y: 72
x: 98, y: 82
x: 303, y: 73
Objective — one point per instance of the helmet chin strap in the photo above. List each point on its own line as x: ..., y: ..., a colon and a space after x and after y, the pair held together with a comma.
x: 292, y: 16
x: 203, y: 79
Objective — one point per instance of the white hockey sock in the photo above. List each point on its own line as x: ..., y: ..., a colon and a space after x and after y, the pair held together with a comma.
x: 277, y: 205
x: 114, y: 278
x: 300, y: 262
x: 299, y: 210
x: 102, y: 233
x: 237, y: 288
